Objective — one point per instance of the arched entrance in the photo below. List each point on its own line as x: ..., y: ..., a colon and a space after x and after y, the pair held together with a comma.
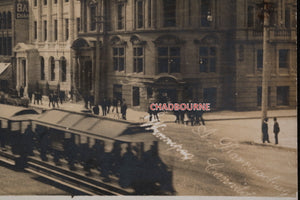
x: 168, y: 89
x: 83, y: 75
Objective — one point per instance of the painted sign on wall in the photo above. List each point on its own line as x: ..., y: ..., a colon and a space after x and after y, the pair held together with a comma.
x: 22, y: 11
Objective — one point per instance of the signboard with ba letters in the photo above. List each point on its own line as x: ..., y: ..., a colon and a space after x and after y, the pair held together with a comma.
x: 22, y: 11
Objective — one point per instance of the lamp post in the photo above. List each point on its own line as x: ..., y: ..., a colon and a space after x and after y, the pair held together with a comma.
x: 266, y: 8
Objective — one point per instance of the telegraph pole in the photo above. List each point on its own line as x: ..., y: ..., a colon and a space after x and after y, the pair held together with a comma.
x: 266, y: 9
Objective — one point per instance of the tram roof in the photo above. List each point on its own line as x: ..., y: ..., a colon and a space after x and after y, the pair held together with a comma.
x: 89, y: 124
x: 15, y: 112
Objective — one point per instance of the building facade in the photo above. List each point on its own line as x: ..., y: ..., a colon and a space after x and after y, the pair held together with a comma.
x: 13, y: 26
x: 200, y: 50
x: 45, y: 61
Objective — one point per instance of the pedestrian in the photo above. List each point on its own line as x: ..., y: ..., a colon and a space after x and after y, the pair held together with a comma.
x: 108, y: 105
x: 265, y: 136
x: 50, y: 96
x: 115, y: 105
x: 276, y: 130
x: 150, y: 113
x: 30, y: 96
x: 21, y: 91
x: 155, y: 114
x: 123, y: 109
x: 103, y: 106
x: 199, y: 116
x: 55, y: 99
x: 96, y: 109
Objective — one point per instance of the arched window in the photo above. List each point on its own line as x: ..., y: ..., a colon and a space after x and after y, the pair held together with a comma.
x: 63, y: 69
x: 4, y: 20
x: 52, y: 69
x: 42, y: 68
x: 9, y: 20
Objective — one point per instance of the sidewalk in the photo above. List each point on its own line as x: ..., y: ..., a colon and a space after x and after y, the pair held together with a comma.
x: 141, y: 116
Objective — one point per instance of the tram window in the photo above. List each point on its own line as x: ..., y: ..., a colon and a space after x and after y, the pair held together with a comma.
x: 4, y: 124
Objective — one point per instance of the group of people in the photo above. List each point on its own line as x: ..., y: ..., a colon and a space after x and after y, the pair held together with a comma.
x: 194, y: 117
x: 106, y: 107
x: 276, y: 130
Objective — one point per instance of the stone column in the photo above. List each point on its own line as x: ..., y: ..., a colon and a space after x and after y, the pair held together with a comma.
x: 49, y: 22
x: 72, y: 21
x: 39, y: 21
x: 60, y: 28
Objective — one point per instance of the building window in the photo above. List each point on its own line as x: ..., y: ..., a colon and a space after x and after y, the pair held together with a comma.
x: 259, y: 59
x: 9, y: 20
x: 283, y: 95
x: 42, y: 68
x: 287, y: 18
x: 121, y: 16
x: 168, y: 59
x: 210, y: 96
x: 9, y: 46
x: 169, y: 7
x: 35, y: 3
x: 149, y: 13
x: 250, y: 18
x: 66, y: 0
x: 259, y: 96
x: 135, y: 96
x: 45, y: 2
x: 67, y: 29
x: 207, y: 59
x: 149, y: 92
x: 1, y: 23
x: 4, y: 46
x: 139, y: 13
x: 117, y: 92
x: 52, y: 69
x: 4, y: 20
x: 35, y: 30
x: 138, y: 59
x: 119, y: 58
x: 78, y: 24
x: 55, y: 1
x: 55, y: 30
x: 205, y: 13
x: 45, y: 30
x: 93, y: 18
x: 283, y: 58
x: 63, y: 69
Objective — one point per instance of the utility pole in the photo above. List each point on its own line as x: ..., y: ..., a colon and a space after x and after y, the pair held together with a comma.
x: 266, y: 7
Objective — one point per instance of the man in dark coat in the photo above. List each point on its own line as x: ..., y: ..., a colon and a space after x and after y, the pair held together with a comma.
x: 265, y: 131
x: 96, y: 109
x: 276, y: 130
x: 123, y: 109
x: 21, y: 91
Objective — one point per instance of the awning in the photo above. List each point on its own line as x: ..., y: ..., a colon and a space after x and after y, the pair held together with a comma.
x: 15, y: 112
x: 87, y: 124
x: 5, y: 71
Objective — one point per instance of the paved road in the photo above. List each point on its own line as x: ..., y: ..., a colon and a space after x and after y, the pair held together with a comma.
x: 21, y: 183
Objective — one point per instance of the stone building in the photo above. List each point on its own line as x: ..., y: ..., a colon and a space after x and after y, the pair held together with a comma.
x: 13, y: 29
x: 44, y: 62
x: 200, y: 50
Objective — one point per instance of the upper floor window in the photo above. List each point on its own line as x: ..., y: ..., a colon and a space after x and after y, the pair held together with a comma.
x: 287, y: 18
x: 120, y: 16
x: 4, y: 20
x: 45, y: 30
x: 119, y: 58
x: 207, y: 59
x: 138, y: 59
x: 283, y: 95
x: 35, y: 30
x: 169, y: 10
x: 67, y: 29
x: 66, y: 0
x: 35, y: 3
x: 55, y: 1
x: 93, y: 18
x: 205, y: 13
x: 55, y: 30
x: 250, y: 16
x: 283, y: 58
x: 42, y: 68
x: 45, y: 2
x: 78, y: 24
x: 259, y: 59
x: 9, y: 20
x: 168, y: 59
x: 139, y: 14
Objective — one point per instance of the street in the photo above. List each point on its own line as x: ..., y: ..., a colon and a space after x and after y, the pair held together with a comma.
x: 227, y: 158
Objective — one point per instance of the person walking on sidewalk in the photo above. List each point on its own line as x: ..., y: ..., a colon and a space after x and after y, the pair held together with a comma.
x: 123, y: 109
x: 276, y: 130
x: 265, y: 136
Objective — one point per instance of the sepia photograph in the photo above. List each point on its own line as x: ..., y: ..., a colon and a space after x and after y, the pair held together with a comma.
x: 158, y: 99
